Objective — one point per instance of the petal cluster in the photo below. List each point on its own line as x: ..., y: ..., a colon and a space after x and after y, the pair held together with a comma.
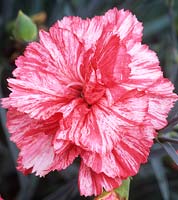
x: 88, y: 88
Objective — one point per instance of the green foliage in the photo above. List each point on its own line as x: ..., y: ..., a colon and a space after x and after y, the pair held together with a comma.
x: 123, y: 190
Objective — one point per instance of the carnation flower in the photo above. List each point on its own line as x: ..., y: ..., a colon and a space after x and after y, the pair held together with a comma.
x: 88, y: 88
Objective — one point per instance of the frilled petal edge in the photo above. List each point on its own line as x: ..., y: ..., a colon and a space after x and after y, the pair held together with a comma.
x: 92, y: 183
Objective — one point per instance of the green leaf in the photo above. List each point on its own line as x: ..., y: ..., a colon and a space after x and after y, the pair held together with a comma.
x: 121, y: 193
x: 123, y: 190
x: 171, y: 151
x: 161, y: 178
x: 24, y: 29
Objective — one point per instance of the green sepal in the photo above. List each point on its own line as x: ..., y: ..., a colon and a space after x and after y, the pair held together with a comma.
x: 120, y: 193
x: 123, y: 190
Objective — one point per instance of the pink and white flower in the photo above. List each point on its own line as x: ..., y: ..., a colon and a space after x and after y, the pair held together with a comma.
x: 88, y: 88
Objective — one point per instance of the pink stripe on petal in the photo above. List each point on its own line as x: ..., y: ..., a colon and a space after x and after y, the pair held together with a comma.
x: 161, y: 90
x: 20, y: 126
x: 100, y: 127
x: 144, y: 66
x: 136, y: 141
x: 65, y: 154
x: 37, y: 154
x: 124, y: 24
x: 92, y: 183
x: 88, y: 31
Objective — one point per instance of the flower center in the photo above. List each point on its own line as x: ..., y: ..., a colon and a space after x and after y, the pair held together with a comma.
x: 92, y: 93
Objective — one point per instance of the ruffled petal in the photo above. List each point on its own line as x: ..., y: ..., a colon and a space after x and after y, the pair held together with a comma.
x: 135, y: 142
x: 34, y: 139
x: 101, y: 126
x: 92, y: 183
x: 111, y: 65
x: 20, y: 126
x: 119, y: 22
x: 40, y: 92
x: 145, y: 69
x: 88, y: 31
x: 133, y: 150
x: 124, y: 24
x: 65, y: 154
x: 37, y: 153
x: 37, y: 101
x: 112, y: 59
x: 67, y: 50
x: 160, y: 91
x: 101, y: 163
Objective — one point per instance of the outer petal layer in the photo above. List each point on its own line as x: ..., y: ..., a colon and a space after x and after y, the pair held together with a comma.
x: 161, y: 90
x: 144, y: 67
x: 124, y: 24
x: 40, y: 92
x: 92, y: 183
x: 127, y: 154
x: 119, y: 22
x: 37, y: 154
x: 35, y: 138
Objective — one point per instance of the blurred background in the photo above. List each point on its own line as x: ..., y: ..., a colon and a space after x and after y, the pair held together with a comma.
x: 158, y: 179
